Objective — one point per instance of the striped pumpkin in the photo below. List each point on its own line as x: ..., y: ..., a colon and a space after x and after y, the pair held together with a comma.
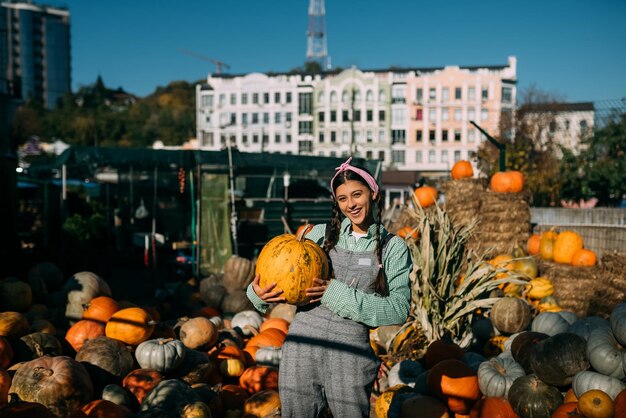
x: 292, y: 262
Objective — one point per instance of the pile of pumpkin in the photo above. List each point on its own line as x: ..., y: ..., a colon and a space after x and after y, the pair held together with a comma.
x: 118, y: 359
x: 557, y: 366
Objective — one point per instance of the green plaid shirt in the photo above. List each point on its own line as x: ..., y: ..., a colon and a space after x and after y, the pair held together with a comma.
x: 368, y: 308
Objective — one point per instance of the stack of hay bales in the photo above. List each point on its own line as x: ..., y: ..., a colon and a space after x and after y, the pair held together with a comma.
x: 574, y: 287
x: 463, y: 200
x: 610, y: 290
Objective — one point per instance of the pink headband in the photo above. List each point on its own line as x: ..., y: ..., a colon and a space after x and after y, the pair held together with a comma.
x: 371, y: 182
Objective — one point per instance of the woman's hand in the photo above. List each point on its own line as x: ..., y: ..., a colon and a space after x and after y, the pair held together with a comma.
x: 316, y: 293
x: 268, y: 294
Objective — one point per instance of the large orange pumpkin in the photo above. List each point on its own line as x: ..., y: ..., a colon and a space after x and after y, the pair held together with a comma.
x: 426, y: 196
x: 492, y: 407
x: 567, y: 243
x: 568, y: 410
x: 292, y: 262
x: 462, y: 169
x: 507, y: 182
x: 532, y: 245
x: 100, y: 309
x: 82, y: 331
x: 278, y: 323
x: 131, y: 326
x: 584, y: 258
x: 257, y: 378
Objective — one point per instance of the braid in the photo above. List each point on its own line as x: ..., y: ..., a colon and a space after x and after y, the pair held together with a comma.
x: 335, y: 227
x: 381, y: 282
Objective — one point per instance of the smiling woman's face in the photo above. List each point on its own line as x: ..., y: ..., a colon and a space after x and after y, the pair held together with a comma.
x: 355, y: 202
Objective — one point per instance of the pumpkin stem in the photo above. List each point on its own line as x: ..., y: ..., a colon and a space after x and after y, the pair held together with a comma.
x: 302, y: 233
x: 14, y: 398
x: 152, y: 323
x: 42, y: 372
x: 165, y: 341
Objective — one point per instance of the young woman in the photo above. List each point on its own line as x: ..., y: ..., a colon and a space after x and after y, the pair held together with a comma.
x: 327, y: 358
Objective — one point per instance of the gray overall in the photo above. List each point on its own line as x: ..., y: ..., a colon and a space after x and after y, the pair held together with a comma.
x: 327, y: 358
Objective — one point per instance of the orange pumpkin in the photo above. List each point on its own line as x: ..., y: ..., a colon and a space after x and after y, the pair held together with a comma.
x: 5, y: 385
x: 517, y: 181
x: 426, y: 196
x: 492, y: 407
x: 462, y: 169
x: 596, y: 404
x: 507, y: 182
x: 207, y: 312
x: 233, y: 397
x: 262, y: 404
x: 13, y: 324
x: 570, y: 396
x: 100, y: 309
x: 277, y: 323
x: 408, y: 232
x: 532, y: 245
x: 131, y: 326
x: 567, y: 243
x: 620, y: 404
x: 141, y: 381
x: 456, y: 383
x: 271, y: 337
x: 584, y: 258
x: 227, y: 351
x: 546, y: 244
x: 292, y: 262
x: 102, y: 409
x: 82, y: 331
x: 257, y: 378
x: 6, y: 353
x: 568, y: 410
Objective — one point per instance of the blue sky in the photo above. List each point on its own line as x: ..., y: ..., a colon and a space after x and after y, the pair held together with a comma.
x: 572, y: 49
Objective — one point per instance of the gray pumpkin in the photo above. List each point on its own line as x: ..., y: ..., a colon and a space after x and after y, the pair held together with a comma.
x: 116, y: 394
x: 550, y: 323
x: 107, y: 360
x: 586, y: 380
x: 169, y: 395
x: 496, y: 376
x: 584, y: 326
x: 161, y: 354
x: 605, y: 354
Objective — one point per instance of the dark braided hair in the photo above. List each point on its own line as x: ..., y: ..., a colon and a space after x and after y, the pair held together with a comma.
x: 332, y: 236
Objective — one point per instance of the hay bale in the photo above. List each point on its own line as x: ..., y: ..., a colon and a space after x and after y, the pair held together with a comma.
x: 463, y: 200
x: 612, y: 289
x: 574, y: 287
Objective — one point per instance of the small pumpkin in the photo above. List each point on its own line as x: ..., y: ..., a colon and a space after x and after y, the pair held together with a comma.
x: 247, y: 322
x: 292, y: 262
x: 233, y: 396
x: 539, y: 288
x: 530, y: 397
x: 13, y: 324
x: 462, y: 169
x: 408, y: 232
x: 171, y: 395
x: 492, y: 407
x: 439, y: 350
x: 196, y: 410
x: 100, y: 309
x: 567, y: 243
x: 107, y: 360
x: 6, y: 353
x: 23, y: 409
x: 238, y: 273
x: 405, y: 372
x: 522, y: 346
x: 546, y: 244
x: 163, y: 355
x: 587, y: 380
x: 389, y: 399
x: 550, y: 323
x: 257, y: 378
x: 507, y: 182
x: 596, y: 404
x: 141, y: 381
x: 510, y: 315
x: 37, y: 344
x: 232, y: 367
x: 496, y: 375
x: 268, y: 356
x: 584, y: 258
x: 423, y: 406
x: 265, y: 403
x: 606, y: 355
x: 278, y: 323
x: 116, y: 394
x: 533, y: 244
x: 618, y: 322
x: 130, y: 325
x: 426, y: 196
x: 456, y: 383
x: 100, y: 408
x: 620, y: 404
x: 15, y: 295
x: 82, y: 331
x: 198, y: 333
x: 568, y: 410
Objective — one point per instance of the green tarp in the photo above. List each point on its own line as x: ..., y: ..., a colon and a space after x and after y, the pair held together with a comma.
x: 215, y: 240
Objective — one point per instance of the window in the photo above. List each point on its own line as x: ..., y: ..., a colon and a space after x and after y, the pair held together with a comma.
x: 255, y: 138
x: 369, y: 155
x: 333, y: 116
x: 507, y: 95
x: 345, y: 116
x: 432, y: 94
x: 382, y: 96
x: 432, y: 115
x: 471, y: 135
x: 369, y: 96
x: 266, y: 117
x: 419, y: 114
x: 381, y: 135
x: 288, y: 99
x: 369, y: 115
x: 233, y: 99
x: 398, y: 93
x: 266, y: 139
x: 471, y: 93
x: 207, y: 138
x: 277, y: 138
x: 255, y: 98
x: 357, y: 116
x: 345, y: 137
x: 244, y: 119
x: 320, y: 116
x: 305, y: 146
x: 277, y: 97
x: 458, y: 93
x: 457, y: 114
x: 445, y: 94
x: 277, y: 117
x: 244, y: 98
x: 305, y: 127
x: 333, y: 136
x: 305, y: 103
x: 567, y: 124
x: 457, y: 156
x: 419, y: 95
x: 320, y: 97
x: 320, y: 137
x: 445, y: 114
x: 266, y: 98
x: 485, y: 93
x: 333, y: 97
x: 207, y: 101
x: 357, y: 96
x: 244, y: 139
x: 255, y: 118
x: 398, y: 136
x: 418, y: 156
x: 345, y: 97
x: 457, y: 135
x: 222, y: 99
x: 432, y: 135
x: 399, y: 116
x: 288, y: 138
x: 431, y: 156
x: 397, y: 156
x: 552, y: 126
x: 381, y: 115
x: 484, y: 114
x: 381, y: 155
x: 418, y: 136
x: 357, y: 136
x: 444, y: 156
x: 369, y: 136
x: 471, y: 114
x: 288, y: 117
x: 444, y: 135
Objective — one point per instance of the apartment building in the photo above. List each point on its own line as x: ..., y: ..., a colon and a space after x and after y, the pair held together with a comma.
x: 34, y: 52
x: 415, y: 119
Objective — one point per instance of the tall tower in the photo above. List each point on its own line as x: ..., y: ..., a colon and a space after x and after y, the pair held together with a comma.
x: 316, y: 35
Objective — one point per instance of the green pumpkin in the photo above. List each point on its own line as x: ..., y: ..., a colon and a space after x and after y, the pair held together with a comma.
x: 557, y: 359
x: 532, y: 398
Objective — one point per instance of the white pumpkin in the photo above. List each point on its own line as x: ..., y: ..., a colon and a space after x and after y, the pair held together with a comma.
x: 268, y: 356
x: 218, y: 322
x: 247, y: 321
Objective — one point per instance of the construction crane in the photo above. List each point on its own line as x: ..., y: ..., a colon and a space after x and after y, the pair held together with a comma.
x: 218, y: 64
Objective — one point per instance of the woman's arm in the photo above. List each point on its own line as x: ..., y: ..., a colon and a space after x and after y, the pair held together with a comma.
x: 372, y: 309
